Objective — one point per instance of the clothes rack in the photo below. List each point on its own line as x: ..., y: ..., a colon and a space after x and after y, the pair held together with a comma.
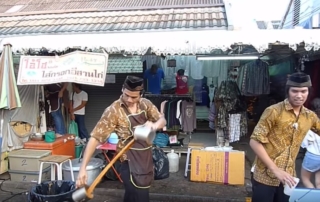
x: 179, y: 110
x: 168, y: 96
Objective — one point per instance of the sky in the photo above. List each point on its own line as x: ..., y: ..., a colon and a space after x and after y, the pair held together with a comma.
x: 267, y: 9
x: 245, y: 12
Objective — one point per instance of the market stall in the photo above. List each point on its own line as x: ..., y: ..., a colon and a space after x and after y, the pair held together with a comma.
x: 190, y: 44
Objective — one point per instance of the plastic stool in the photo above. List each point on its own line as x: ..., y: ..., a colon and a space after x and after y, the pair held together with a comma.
x: 55, y: 161
x: 191, y: 146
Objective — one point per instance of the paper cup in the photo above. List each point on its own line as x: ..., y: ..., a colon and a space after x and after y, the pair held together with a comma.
x: 288, y: 190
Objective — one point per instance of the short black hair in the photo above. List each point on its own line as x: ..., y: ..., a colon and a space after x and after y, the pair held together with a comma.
x: 77, y: 85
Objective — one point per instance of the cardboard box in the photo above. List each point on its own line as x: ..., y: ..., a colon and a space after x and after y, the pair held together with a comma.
x: 218, y: 166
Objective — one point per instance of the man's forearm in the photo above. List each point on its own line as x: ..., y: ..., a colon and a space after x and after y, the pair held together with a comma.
x: 262, y: 154
x: 64, y: 86
x: 78, y: 107
x: 161, y: 122
x: 90, y: 149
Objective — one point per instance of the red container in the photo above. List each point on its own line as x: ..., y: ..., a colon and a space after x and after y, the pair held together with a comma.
x: 64, y: 145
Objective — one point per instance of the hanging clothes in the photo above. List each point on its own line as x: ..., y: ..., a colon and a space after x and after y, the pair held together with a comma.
x: 174, y: 110
x: 216, y: 69
x: 228, y: 101
x: 212, y: 116
x: 188, y: 113
x: 254, y: 78
x: 151, y: 59
x: 234, y: 127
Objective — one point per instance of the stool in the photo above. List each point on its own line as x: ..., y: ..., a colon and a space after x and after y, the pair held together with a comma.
x: 109, y: 147
x: 55, y: 160
x: 191, y: 146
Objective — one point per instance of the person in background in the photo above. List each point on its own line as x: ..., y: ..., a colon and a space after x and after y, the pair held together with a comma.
x: 121, y: 117
x: 276, y: 140
x: 54, y: 94
x: 78, y: 101
x: 311, y: 160
x: 154, y: 77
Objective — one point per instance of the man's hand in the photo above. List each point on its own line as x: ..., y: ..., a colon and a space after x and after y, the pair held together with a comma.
x: 284, y: 177
x: 82, y: 178
x: 72, y: 117
x: 152, y: 125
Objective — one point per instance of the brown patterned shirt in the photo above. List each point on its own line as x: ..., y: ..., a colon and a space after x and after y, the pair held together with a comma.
x: 114, y: 119
x: 281, y: 133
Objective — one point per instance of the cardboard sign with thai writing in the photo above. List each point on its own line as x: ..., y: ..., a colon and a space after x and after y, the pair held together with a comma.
x: 78, y: 67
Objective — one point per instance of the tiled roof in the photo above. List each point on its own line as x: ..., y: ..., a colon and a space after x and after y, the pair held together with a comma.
x: 47, y: 5
x: 120, y: 64
x: 115, y: 21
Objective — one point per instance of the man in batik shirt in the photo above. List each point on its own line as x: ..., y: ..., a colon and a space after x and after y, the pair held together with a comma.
x: 277, y: 138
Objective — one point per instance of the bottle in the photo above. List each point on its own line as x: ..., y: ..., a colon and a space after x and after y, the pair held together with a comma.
x: 173, y: 162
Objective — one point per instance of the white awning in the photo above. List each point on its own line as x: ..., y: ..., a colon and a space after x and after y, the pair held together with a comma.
x: 173, y: 42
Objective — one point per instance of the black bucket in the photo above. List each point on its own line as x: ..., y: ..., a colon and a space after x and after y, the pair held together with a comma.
x: 52, y: 191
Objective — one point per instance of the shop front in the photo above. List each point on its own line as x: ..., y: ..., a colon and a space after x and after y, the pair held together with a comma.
x: 202, y: 87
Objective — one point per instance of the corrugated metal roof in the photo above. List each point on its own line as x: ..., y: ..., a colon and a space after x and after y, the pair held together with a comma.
x: 47, y: 5
x: 115, y: 21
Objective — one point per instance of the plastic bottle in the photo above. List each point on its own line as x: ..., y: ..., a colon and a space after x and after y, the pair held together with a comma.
x: 173, y: 162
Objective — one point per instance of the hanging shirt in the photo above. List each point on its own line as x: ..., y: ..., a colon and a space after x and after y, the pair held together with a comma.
x: 154, y: 80
x: 234, y: 127
x: 188, y: 116
x: 182, y: 85
x: 178, y: 113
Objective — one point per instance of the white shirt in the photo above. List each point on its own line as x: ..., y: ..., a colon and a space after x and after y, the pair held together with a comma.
x: 312, y: 143
x: 77, y: 100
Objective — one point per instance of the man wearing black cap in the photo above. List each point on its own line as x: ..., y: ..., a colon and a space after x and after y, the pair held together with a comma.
x: 121, y: 117
x: 276, y: 141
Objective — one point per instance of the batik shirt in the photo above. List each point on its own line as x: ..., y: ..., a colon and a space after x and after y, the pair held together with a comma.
x: 114, y: 119
x: 281, y: 133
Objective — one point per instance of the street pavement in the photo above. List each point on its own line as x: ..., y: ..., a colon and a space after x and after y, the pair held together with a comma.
x: 17, y: 196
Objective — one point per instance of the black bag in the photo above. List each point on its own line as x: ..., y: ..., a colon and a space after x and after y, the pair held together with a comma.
x: 52, y: 191
x: 161, y: 164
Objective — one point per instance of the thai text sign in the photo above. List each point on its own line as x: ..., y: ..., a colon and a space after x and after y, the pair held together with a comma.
x: 78, y: 67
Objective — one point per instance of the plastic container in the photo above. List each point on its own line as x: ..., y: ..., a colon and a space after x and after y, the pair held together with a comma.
x: 52, y: 191
x: 78, y: 150
x: 113, y: 139
x: 25, y: 176
x: 49, y: 136
x: 27, y: 159
x: 173, y: 162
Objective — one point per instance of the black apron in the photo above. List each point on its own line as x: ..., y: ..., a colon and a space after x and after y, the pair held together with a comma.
x: 140, y: 154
